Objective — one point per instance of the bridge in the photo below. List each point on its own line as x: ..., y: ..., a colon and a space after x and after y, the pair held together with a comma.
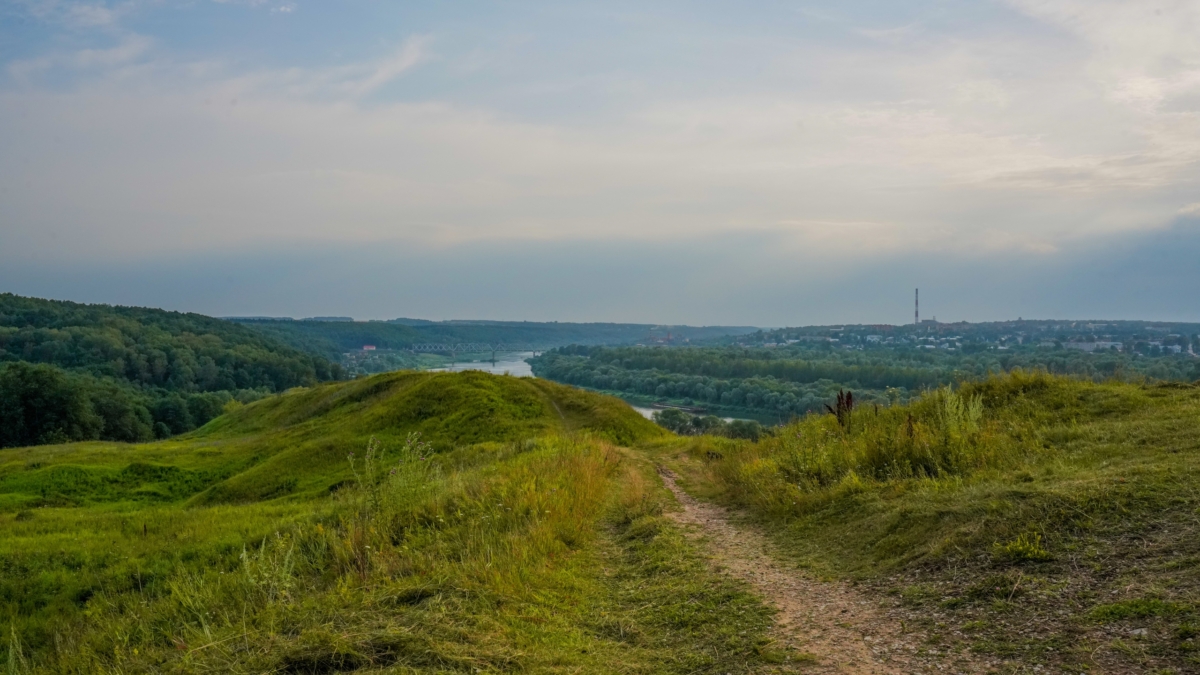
x: 454, y: 348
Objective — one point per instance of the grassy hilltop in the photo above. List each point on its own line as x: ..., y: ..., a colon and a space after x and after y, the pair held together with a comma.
x: 513, y: 535
x: 295, y: 445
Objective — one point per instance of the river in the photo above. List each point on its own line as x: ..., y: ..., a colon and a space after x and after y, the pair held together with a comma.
x: 510, y: 364
x: 514, y: 364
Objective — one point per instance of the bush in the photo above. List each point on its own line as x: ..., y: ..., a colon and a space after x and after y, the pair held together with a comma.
x: 745, y: 429
x: 679, y: 422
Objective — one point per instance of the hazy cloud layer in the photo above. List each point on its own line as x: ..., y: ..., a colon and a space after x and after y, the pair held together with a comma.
x: 749, y: 165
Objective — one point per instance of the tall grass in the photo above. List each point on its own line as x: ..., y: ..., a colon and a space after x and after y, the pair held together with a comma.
x: 945, y: 433
x: 508, y: 535
x: 998, y: 423
x: 1022, y: 508
x: 404, y: 534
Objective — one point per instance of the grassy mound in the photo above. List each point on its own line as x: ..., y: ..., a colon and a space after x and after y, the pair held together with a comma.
x: 506, y: 543
x: 1029, y: 518
x: 295, y: 444
x: 479, y: 546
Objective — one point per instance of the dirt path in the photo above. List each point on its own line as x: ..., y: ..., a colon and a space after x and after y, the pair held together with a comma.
x: 846, y: 631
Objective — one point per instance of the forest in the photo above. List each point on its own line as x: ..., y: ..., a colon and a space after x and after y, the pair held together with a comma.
x: 804, y: 376
x: 70, y: 371
x: 332, y: 339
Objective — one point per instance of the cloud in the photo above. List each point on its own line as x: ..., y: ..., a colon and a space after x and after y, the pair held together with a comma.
x: 189, y: 156
x: 894, y: 34
x: 131, y: 48
x: 1145, y: 54
x: 85, y: 15
x: 963, y: 141
x: 78, y: 16
x: 383, y: 72
x: 742, y: 279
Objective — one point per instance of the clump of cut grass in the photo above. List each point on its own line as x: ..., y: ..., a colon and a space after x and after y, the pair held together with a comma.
x: 1138, y: 608
x: 1026, y: 547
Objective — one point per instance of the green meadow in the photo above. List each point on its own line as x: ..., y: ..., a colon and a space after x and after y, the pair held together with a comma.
x: 464, y: 522
x: 410, y: 522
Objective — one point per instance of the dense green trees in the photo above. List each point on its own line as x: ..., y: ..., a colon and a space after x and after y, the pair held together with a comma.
x: 333, y: 338
x: 762, y: 395
x: 40, y: 404
x: 152, y: 347
x: 786, y: 381
x: 75, y: 372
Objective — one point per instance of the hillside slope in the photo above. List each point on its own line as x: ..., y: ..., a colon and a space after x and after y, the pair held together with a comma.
x: 538, y: 547
x: 295, y: 444
x: 1027, y: 519
x: 302, y: 435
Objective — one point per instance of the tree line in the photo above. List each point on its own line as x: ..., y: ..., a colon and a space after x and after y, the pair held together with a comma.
x: 70, y: 371
x: 803, y: 378
x: 763, y: 395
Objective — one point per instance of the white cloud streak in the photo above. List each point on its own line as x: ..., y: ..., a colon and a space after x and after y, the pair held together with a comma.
x: 131, y: 48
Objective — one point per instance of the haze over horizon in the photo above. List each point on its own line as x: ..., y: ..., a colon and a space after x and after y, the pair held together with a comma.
x: 774, y: 164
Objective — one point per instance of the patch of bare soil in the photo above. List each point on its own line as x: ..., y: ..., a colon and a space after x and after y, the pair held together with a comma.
x: 844, y: 629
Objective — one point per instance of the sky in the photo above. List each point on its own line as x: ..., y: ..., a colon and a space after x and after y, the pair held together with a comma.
x: 764, y: 163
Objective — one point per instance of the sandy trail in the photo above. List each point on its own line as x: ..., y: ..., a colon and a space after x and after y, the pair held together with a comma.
x: 845, y: 630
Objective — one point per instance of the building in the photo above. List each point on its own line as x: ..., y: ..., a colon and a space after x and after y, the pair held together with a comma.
x: 1094, y: 346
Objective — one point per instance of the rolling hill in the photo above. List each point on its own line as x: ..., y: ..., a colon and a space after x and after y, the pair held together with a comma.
x: 295, y: 444
x: 282, y: 538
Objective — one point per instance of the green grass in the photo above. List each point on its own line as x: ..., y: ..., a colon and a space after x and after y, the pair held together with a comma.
x: 1032, y: 519
x: 295, y: 445
x: 1058, y: 504
x: 517, y: 538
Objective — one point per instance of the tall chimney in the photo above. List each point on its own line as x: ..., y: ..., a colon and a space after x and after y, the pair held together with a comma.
x: 917, y: 308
